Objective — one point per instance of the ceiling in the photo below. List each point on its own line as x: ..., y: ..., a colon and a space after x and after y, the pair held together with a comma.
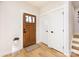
x: 42, y: 4
x: 75, y: 4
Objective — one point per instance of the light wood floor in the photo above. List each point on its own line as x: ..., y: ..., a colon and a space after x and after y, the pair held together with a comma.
x: 42, y: 51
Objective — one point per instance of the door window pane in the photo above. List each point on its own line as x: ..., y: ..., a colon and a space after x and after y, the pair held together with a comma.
x: 33, y: 18
x: 27, y: 20
x: 30, y: 19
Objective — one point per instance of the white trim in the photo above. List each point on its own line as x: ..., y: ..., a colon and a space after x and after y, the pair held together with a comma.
x: 52, y: 10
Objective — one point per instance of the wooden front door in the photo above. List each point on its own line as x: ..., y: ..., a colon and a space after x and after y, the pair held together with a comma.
x: 29, y: 29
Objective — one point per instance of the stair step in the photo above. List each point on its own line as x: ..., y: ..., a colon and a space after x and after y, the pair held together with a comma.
x: 76, y: 42
x: 74, y: 54
x: 75, y: 51
x: 74, y: 39
x: 76, y: 36
x: 74, y: 47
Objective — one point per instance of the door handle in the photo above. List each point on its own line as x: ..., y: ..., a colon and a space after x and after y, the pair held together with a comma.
x: 51, y: 31
x: 47, y: 31
x: 24, y: 30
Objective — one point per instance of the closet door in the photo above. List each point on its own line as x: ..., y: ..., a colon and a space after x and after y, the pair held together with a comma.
x: 56, y: 30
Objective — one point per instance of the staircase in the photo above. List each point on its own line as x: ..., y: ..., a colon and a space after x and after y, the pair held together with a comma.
x: 75, y: 46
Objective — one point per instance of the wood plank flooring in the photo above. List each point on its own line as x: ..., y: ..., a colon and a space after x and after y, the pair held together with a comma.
x: 41, y: 51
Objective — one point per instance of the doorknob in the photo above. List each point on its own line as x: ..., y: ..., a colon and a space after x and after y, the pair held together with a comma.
x: 51, y: 31
x: 24, y: 29
x: 47, y: 31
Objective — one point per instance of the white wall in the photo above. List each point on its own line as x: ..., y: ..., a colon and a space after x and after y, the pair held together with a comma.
x: 51, y: 6
x: 76, y: 19
x: 11, y: 23
x: 71, y: 25
x: 44, y: 23
x: 43, y: 27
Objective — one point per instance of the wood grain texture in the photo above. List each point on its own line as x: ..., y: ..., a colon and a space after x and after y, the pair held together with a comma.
x: 74, y: 47
x: 75, y: 42
x: 42, y: 51
x: 74, y: 55
x: 29, y: 30
x: 76, y: 36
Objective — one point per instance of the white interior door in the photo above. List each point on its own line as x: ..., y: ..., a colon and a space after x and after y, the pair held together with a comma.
x: 56, y: 30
